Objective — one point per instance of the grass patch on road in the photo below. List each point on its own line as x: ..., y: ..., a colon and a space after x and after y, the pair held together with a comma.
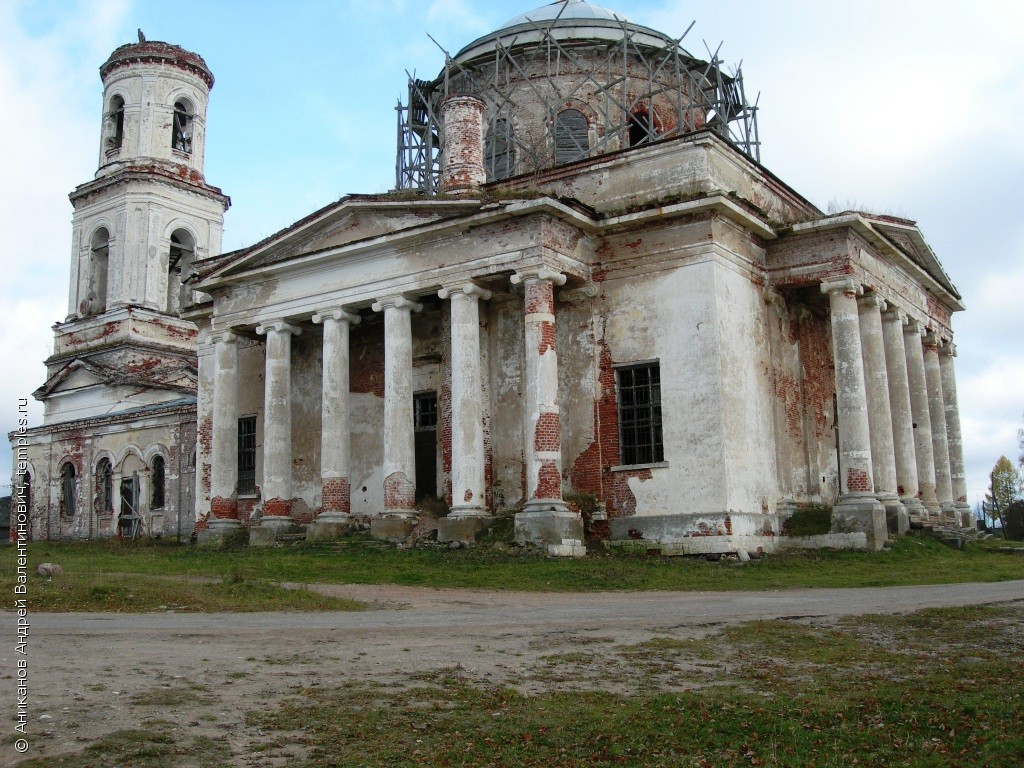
x: 106, y: 575
x: 150, y: 748
x: 871, y: 691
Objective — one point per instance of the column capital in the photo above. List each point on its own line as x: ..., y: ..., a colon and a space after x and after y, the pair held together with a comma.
x: 894, y: 313
x: 338, y: 314
x: 398, y: 301
x: 872, y: 299
x: 932, y: 340
x: 466, y: 288
x: 844, y: 284
x: 538, y: 273
x: 948, y: 349
x: 279, y: 326
x: 222, y: 337
x: 585, y: 291
x: 913, y: 327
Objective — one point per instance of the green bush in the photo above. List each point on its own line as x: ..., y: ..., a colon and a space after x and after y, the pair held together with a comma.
x: 809, y: 520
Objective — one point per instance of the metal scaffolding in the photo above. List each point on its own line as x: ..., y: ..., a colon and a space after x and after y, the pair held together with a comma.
x: 637, y: 91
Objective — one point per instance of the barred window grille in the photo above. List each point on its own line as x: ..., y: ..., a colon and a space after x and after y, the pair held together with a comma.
x: 639, y: 402
x: 572, y: 140
x: 247, y: 456
x: 425, y: 411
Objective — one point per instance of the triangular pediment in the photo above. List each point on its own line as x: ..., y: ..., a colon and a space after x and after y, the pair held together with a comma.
x: 77, y: 375
x: 350, y: 220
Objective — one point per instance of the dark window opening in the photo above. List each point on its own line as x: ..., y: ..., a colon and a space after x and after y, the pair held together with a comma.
x: 158, y: 476
x: 129, y: 522
x: 639, y: 396
x: 104, y: 488
x: 247, y: 456
x: 425, y: 425
x: 116, y: 115
x: 572, y: 140
x: 641, y: 128
x: 67, y: 490
x: 499, y: 154
x: 99, y: 258
x: 179, y: 263
x: 181, y: 128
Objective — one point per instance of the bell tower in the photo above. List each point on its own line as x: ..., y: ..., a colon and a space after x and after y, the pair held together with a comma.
x: 148, y: 214
x: 137, y: 229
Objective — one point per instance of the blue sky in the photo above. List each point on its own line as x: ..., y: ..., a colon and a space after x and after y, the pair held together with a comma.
x: 904, y: 107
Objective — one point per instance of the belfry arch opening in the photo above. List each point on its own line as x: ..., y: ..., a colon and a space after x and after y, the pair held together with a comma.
x: 179, y: 262
x: 115, y: 137
x: 642, y: 128
x: 181, y: 127
x: 99, y: 263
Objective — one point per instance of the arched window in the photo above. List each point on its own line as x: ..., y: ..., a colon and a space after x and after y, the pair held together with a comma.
x: 571, y: 136
x: 99, y: 259
x: 115, y: 138
x: 179, y: 262
x: 181, y: 128
x: 499, y: 154
x: 158, y: 477
x: 104, y: 488
x: 641, y: 128
x: 67, y: 490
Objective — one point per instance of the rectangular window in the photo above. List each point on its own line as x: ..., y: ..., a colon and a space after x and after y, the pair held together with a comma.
x: 425, y: 411
x: 639, y: 401
x: 247, y: 456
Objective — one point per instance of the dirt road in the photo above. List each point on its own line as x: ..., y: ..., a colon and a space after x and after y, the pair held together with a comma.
x: 92, y: 674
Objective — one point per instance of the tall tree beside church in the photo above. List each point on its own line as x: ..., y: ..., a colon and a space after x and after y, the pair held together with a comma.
x: 1005, y: 487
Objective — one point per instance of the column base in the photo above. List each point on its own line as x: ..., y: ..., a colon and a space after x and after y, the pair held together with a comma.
x: 897, y: 519
x: 863, y: 513
x: 329, y: 525
x: 223, y: 534
x: 965, y: 516
x: 393, y: 526
x: 462, y: 528
x: 949, y: 513
x: 272, y: 529
x: 549, y: 526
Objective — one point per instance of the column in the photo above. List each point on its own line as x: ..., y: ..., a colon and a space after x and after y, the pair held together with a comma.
x: 937, y: 414
x: 902, y: 419
x: 545, y: 517
x: 335, y: 433
x: 224, y: 437
x: 399, y: 441
x: 958, y: 476
x: 468, y: 491
x: 923, y: 451
x: 276, y: 490
x: 857, y: 507
x: 876, y: 383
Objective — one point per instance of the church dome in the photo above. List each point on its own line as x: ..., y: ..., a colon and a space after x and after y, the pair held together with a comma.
x: 564, y: 21
x: 564, y: 10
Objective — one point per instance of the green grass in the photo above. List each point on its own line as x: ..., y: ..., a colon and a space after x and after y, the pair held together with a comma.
x: 106, y: 575
x: 795, y: 695
x: 82, y: 588
x: 150, y: 748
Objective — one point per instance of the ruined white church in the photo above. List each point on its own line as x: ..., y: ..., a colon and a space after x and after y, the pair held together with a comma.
x: 585, y: 285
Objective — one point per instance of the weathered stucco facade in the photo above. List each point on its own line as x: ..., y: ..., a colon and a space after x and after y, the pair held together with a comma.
x: 657, y: 326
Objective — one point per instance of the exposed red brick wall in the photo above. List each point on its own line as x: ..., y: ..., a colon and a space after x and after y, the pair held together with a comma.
x: 462, y: 160
x: 224, y: 509
x: 277, y: 508
x: 399, y: 492
x: 337, y: 495
x: 857, y: 480
x: 549, y: 482
x: 444, y: 407
x: 366, y: 359
x: 539, y: 298
x: 547, y: 433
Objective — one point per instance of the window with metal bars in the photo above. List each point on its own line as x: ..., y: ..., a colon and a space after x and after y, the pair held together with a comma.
x: 247, y: 456
x: 572, y: 139
x: 424, y: 411
x: 639, y: 403
x: 159, y: 478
